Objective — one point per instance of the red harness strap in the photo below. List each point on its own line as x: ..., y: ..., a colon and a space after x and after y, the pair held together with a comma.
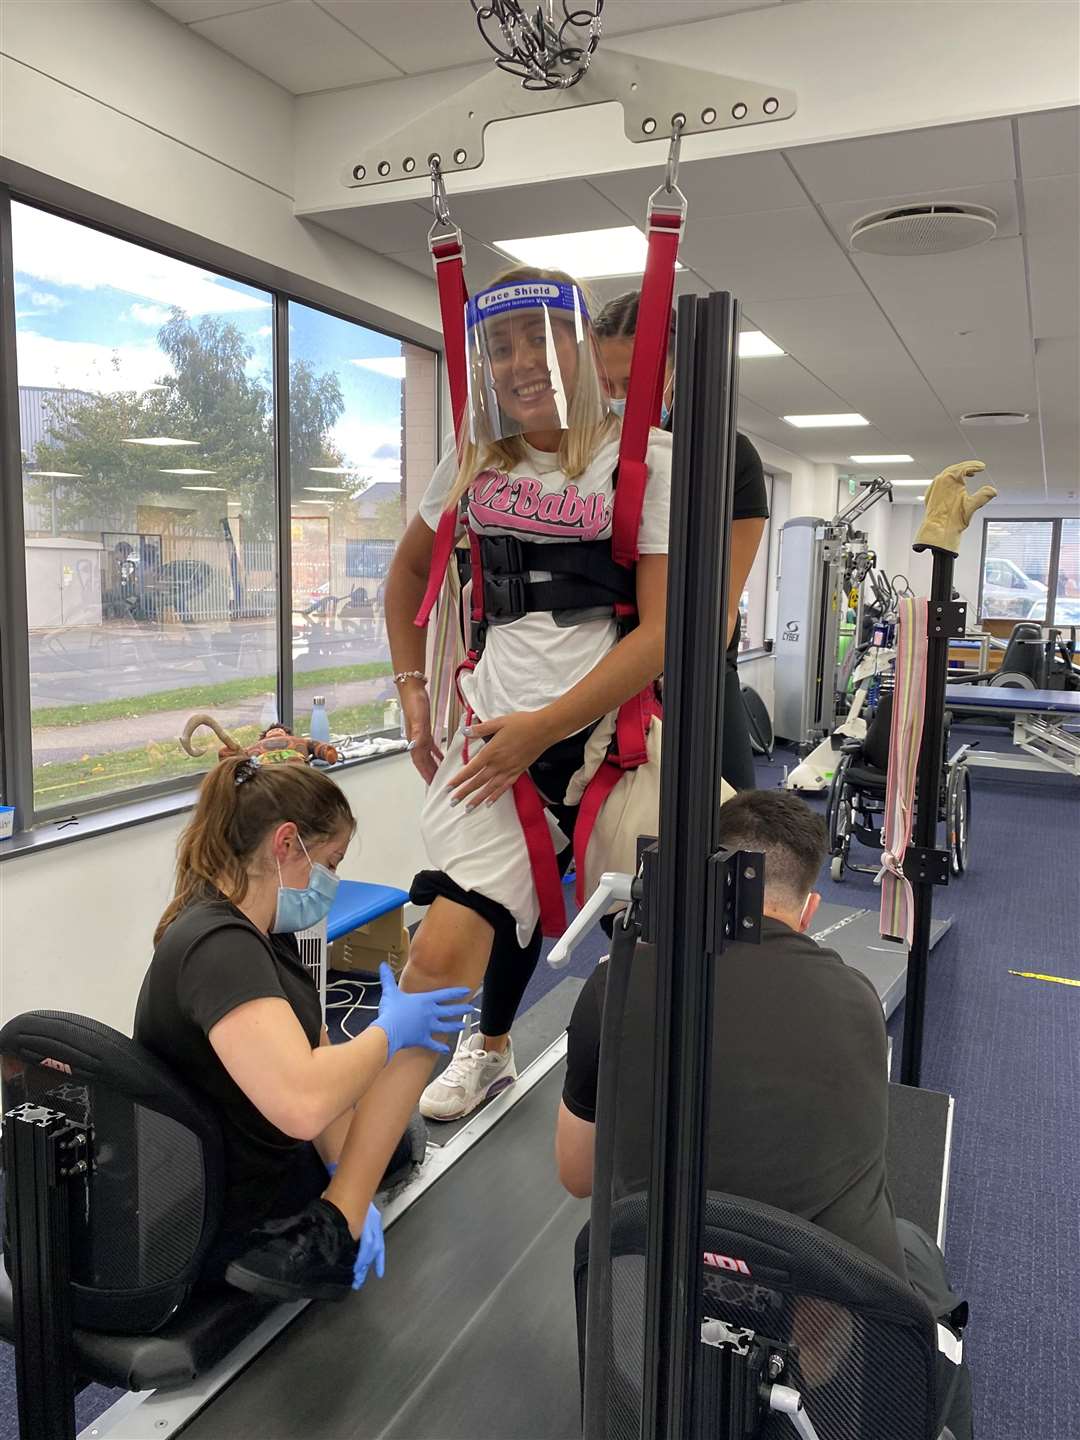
x: 449, y: 260
x: 545, y: 867
x: 645, y: 392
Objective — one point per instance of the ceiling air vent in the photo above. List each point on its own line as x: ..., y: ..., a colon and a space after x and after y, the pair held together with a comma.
x: 923, y: 229
x: 995, y: 417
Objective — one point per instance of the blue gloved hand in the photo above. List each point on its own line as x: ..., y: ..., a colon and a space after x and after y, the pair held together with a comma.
x: 411, y: 1018
x: 372, y: 1248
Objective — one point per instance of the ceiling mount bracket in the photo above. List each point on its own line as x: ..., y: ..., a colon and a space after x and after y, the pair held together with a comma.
x: 658, y: 101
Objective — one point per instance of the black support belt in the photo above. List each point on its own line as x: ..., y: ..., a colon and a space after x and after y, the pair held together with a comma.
x: 583, y: 576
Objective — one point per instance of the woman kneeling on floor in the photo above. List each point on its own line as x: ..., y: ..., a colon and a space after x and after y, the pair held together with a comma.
x: 228, y: 1006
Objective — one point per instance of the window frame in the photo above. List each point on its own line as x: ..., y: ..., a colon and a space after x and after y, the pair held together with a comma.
x: 1055, y: 523
x: 21, y: 185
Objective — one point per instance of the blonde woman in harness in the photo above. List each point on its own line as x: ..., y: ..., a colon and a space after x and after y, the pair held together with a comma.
x: 562, y: 638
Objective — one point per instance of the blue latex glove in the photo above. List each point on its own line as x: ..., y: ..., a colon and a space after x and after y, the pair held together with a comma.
x: 410, y: 1018
x: 372, y: 1248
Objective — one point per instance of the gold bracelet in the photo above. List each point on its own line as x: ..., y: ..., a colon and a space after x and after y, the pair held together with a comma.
x: 403, y: 675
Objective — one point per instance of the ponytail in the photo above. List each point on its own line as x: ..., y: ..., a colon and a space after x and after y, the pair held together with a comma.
x: 239, y: 802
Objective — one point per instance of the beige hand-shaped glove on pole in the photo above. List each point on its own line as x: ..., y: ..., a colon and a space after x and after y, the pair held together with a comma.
x: 949, y: 507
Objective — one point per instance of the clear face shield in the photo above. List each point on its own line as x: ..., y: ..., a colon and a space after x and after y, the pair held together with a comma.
x: 532, y: 366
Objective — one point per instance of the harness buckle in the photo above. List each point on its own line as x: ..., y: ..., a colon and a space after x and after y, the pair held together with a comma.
x: 504, y: 596
x: 502, y: 555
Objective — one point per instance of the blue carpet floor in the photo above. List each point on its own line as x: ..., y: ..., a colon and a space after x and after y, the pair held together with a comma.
x: 1008, y: 1049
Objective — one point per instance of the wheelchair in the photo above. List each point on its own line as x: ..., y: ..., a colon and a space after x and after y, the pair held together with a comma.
x: 856, y: 803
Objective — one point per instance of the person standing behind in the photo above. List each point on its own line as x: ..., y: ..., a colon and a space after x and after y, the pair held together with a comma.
x: 615, y: 328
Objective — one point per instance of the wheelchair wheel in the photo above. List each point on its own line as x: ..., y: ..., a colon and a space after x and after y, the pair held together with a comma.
x: 838, y: 819
x: 958, y: 817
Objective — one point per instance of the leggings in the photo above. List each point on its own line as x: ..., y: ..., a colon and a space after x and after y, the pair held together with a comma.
x: 737, y: 762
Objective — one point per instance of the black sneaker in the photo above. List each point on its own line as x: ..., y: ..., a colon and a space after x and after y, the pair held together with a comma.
x: 309, y: 1256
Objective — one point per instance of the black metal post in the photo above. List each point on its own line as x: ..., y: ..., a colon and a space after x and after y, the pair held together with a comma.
x: 42, y: 1149
x: 701, y: 501
x: 944, y: 619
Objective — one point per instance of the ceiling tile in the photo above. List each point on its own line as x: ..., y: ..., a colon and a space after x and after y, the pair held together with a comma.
x: 1050, y: 143
x: 423, y: 35
x: 1013, y: 458
x: 781, y: 385
x: 1058, y: 367
x: 188, y: 11
x: 759, y: 258
x: 999, y: 197
x: 556, y: 208
x: 731, y: 185
x: 964, y: 316
x: 1052, y: 213
x: 900, y: 164
x: 298, y: 45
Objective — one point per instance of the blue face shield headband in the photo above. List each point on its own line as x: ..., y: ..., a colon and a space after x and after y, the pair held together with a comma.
x: 301, y: 909
x: 527, y: 354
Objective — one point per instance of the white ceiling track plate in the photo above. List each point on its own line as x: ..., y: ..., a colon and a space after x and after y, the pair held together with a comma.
x: 654, y: 96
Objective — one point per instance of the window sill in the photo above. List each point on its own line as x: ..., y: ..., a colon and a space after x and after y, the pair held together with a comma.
x: 54, y: 833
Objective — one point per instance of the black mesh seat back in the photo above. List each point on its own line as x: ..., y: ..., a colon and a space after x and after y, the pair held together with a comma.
x: 149, y: 1208
x: 865, y: 1360
x: 1024, y: 653
x: 875, y: 748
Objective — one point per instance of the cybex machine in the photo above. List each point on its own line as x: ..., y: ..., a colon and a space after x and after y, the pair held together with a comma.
x: 821, y: 562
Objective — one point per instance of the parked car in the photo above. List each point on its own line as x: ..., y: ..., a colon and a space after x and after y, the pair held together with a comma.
x: 1066, y: 610
x: 1008, y: 590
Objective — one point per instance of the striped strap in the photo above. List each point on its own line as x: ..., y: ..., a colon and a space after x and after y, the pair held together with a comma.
x: 905, y: 741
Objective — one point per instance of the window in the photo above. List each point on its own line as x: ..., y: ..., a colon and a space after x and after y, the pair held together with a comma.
x: 145, y: 416
x: 361, y: 425
x: 754, y: 599
x: 1018, y: 566
x: 154, y: 489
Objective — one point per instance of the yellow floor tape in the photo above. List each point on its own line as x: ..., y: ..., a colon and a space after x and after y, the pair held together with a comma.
x: 1053, y: 979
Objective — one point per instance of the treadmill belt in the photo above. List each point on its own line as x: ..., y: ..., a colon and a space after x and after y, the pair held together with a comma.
x: 470, y: 1334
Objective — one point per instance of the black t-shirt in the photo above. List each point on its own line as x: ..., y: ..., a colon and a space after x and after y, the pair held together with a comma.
x: 750, y: 501
x: 799, y: 1087
x: 210, y: 960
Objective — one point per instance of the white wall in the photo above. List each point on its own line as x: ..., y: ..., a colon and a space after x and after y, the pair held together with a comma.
x: 858, y: 67
x: 77, y: 922
x: 115, y: 97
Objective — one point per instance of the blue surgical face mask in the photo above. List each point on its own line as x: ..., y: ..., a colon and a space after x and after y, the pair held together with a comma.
x: 617, y: 407
x: 665, y: 416
x: 300, y: 909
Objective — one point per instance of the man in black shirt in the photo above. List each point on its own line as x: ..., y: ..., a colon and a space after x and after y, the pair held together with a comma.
x: 799, y: 1085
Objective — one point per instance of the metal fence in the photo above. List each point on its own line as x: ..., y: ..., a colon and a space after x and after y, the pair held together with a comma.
x: 189, y: 578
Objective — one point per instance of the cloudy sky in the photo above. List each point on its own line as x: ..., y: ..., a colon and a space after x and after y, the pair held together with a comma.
x: 88, y: 308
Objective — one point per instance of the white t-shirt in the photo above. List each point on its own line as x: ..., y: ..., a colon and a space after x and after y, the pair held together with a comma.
x: 529, y: 663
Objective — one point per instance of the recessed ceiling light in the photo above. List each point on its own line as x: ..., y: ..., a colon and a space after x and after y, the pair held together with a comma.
x: 995, y: 417
x: 187, y: 472
x: 327, y: 489
x: 160, y: 440
x: 57, y: 474
x: 883, y: 460
x: 755, y: 344
x: 207, y: 488
x: 333, y: 470
x: 826, y: 422
x: 585, y: 254
x: 910, y: 482
x: 391, y: 365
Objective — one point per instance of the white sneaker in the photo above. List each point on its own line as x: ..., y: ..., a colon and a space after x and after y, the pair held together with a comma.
x: 473, y: 1076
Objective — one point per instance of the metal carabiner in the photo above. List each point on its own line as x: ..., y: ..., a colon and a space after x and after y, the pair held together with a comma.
x: 671, y: 176
x: 439, y: 205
